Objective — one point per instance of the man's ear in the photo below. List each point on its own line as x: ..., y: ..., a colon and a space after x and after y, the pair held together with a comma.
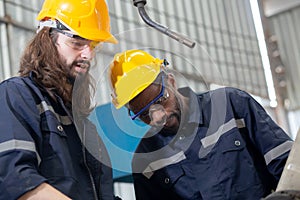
x: 171, y: 80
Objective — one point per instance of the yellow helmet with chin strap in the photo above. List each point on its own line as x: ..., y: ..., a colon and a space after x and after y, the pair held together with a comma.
x: 131, y: 72
x: 87, y: 18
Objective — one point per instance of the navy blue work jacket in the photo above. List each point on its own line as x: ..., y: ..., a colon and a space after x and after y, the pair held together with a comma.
x: 39, y: 143
x: 228, y: 148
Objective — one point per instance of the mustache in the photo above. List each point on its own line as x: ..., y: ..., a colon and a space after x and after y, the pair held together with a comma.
x: 84, y: 64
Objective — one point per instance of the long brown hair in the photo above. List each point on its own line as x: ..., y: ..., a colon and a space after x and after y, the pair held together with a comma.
x: 42, y: 58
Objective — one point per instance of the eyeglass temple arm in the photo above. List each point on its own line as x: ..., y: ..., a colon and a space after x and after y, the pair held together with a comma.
x: 140, y: 4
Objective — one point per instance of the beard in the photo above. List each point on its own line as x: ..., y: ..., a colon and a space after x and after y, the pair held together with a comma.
x: 76, y: 69
x: 174, y: 128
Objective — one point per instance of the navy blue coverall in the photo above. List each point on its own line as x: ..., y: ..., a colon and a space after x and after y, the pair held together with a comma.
x: 39, y: 143
x: 228, y: 149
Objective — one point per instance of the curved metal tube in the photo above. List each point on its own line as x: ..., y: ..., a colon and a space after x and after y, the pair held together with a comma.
x: 165, y: 30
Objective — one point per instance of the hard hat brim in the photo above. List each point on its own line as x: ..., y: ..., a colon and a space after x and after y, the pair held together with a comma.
x: 134, y: 82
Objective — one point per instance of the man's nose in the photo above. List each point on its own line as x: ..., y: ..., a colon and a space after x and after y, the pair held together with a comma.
x: 87, y: 53
x: 158, y: 116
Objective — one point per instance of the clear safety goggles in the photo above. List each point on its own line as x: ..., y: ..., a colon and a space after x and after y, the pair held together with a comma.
x: 76, y: 42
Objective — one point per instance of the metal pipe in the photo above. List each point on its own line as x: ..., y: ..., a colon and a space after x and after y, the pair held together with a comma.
x: 140, y: 4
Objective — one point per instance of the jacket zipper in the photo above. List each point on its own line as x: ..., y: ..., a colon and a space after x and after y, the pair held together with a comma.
x: 83, y: 150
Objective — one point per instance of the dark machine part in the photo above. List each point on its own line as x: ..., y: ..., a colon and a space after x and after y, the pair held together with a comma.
x: 140, y: 4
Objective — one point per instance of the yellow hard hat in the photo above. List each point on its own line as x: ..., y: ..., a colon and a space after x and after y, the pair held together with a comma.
x: 87, y: 18
x: 131, y: 72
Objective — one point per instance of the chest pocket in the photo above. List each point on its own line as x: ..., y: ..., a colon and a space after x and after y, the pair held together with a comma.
x: 50, y: 124
x: 54, y: 149
x: 235, y: 165
x: 232, y: 142
x: 167, y: 176
x: 176, y: 179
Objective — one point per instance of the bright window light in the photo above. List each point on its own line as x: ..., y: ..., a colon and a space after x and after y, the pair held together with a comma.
x: 263, y: 52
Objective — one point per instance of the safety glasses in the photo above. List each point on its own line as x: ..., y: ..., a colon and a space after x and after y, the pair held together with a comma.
x: 76, y: 42
x: 159, y: 99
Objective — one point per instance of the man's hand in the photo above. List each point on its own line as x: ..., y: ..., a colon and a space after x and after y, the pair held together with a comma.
x: 45, y: 192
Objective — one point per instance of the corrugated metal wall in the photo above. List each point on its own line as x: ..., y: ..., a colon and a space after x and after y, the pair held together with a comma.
x: 224, y: 29
x: 17, y: 26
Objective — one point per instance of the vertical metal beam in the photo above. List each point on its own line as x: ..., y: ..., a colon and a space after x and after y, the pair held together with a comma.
x: 5, y: 45
x: 275, y: 61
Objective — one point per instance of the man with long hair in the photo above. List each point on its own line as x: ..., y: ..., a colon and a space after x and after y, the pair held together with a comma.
x: 42, y: 152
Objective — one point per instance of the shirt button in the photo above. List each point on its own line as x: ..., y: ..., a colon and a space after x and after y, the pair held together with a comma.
x: 237, y: 143
x: 167, y: 180
x: 60, y: 128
